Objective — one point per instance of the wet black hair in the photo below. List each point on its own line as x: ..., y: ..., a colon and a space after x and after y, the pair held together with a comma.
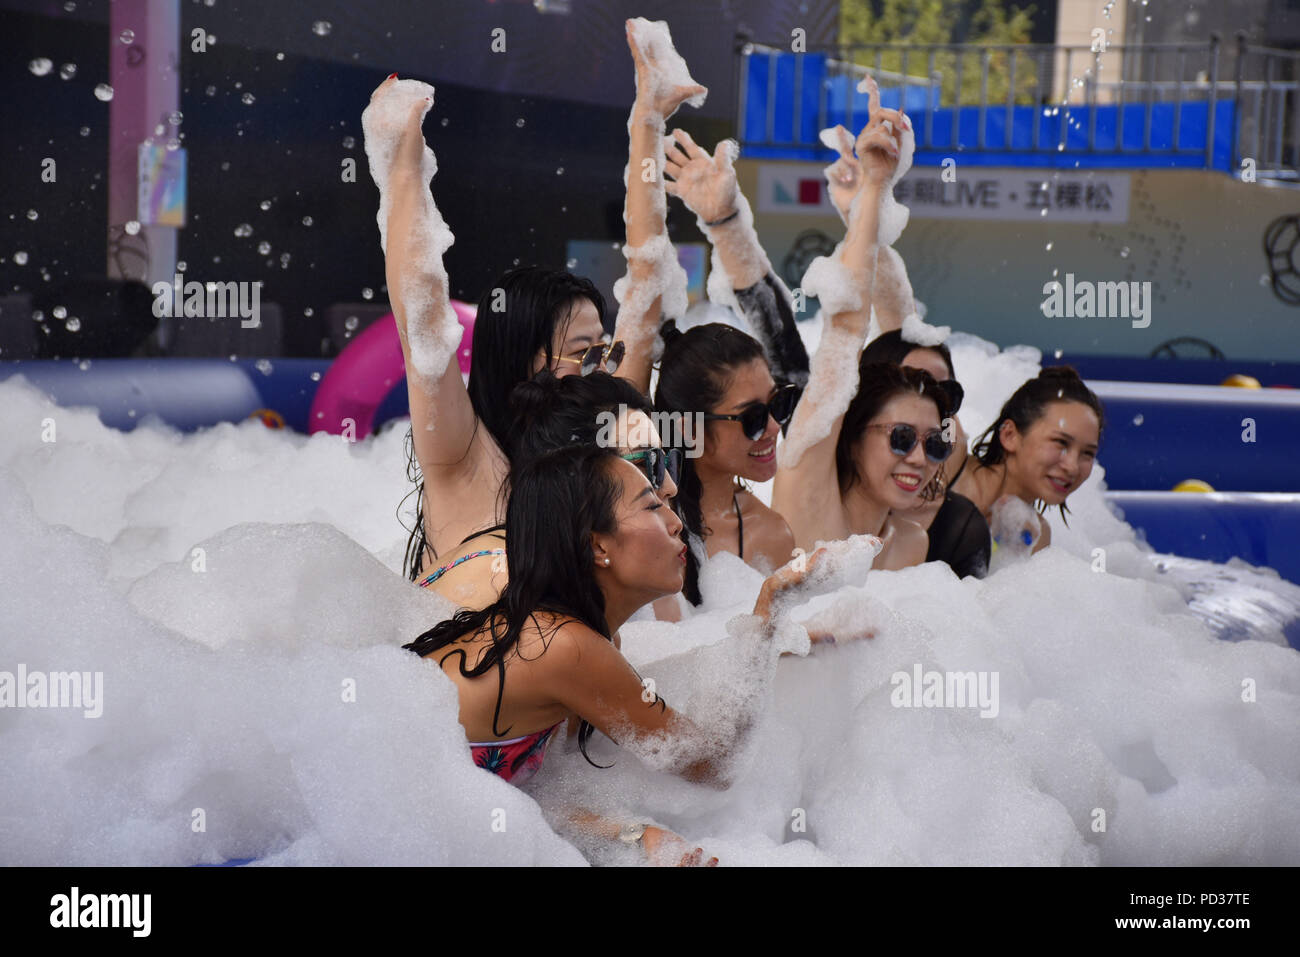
x: 1027, y: 405
x: 878, y: 382
x: 546, y: 413
x: 516, y: 319
x: 557, y: 500
x: 892, y: 347
x: 694, y: 373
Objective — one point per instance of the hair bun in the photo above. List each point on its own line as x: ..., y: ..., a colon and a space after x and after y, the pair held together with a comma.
x: 1062, y: 373
x: 531, y: 398
x: 668, y: 331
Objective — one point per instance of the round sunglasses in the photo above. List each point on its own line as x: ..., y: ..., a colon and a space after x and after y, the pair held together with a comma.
x: 753, y: 421
x: 658, y: 463
x: 903, y: 438
x: 606, y: 356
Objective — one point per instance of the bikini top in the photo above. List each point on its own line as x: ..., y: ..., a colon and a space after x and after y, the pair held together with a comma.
x: 443, y: 569
x: 515, y: 760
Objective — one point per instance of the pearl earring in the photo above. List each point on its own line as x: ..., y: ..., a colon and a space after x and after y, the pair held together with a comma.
x: 607, y: 563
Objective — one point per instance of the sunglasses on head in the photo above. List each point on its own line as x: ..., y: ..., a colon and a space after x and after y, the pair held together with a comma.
x: 753, y: 421
x: 952, y: 388
x: 903, y: 438
x: 658, y: 463
x: 605, y: 356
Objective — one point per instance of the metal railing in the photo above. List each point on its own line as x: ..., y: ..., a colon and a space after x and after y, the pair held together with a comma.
x: 1046, y: 95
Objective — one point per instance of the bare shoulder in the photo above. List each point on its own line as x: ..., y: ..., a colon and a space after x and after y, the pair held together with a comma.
x: 770, y: 538
x: 559, y: 644
x: 1045, y: 538
x: 906, y: 544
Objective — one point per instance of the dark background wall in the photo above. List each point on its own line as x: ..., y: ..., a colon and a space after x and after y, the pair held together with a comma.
x: 567, y: 77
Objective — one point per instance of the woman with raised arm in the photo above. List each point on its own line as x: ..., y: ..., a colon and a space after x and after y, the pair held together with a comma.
x: 533, y: 319
x: 590, y: 543
x: 864, y: 443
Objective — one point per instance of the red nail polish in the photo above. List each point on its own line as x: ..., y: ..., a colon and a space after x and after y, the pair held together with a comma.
x: 391, y: 76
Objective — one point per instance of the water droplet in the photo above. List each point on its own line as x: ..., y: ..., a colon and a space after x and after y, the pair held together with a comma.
x: 306, y: 220
x: 1058, y: 353
x: 367, y: 293
x: 1137, y: 419
x: 1042, y: 212
x: 349, y: 142
x: 243, y: 229
x: 181, y: 265
x: 70, y: 5
x: 210, y: 90
x: 559, y: 171
x: 315, y: 377
x: 132, y: 227
x: 41, y: 65
x: 1048, y: 247
x: 515, y: 263
x: 284, y: 260
x: 248, y: 99
x: 20, y: 258
x: 321, y: 28
x: 263, y: 247
x: 67, y: 71
x: 265, y: 204
x: 445, y: 121
x: 173, y: 144
x: 1123, y: 253
x: 33, y: 214
x: 571, y: 264
x: 38, y: 316
x: 83, y: 365
x: 175, y: 117
x: 84, y: 131
x: 126, y: 36
x: 73, y: 324
x: 350, y: 323
x: 279, y: 56
x: 59, y: 312
x: 159, y: 130
x: 309, y: 312
x: 263, y: 366
x: 519, y: 122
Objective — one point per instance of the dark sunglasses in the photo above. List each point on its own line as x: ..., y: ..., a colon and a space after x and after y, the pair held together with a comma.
x: 753, y: 421
x: 903, y: 438
x: 606, y: 356
x: 952, y: 388
x: 658, y: 463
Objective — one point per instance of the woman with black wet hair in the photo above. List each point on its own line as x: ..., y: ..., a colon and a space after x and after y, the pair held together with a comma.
x: 1041, y: 447
x: 958, y: 533
x: 590, y: 544
x: 717, y: 377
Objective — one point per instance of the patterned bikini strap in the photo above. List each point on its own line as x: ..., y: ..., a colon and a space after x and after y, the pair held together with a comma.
x: 439, y: 572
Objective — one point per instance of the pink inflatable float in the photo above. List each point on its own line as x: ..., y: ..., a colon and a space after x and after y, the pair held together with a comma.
x: 369, y: 369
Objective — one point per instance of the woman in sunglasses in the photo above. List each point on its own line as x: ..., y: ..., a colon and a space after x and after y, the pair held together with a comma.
x: 958, y: 533
x: 718, y: 374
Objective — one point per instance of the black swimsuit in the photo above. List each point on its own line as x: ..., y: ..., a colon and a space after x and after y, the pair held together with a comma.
x: 740, y: 528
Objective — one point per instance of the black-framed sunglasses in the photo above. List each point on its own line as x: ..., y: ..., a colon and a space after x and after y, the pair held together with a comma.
x: 952, y: 388
x: 606, y: 356
x: 753, y: 421
x: 658, y: 463
x: 903, y: 438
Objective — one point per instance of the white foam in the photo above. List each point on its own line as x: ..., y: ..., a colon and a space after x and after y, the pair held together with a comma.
x: 670, y: 70
x: 224, y: 693
x: 432, y: 329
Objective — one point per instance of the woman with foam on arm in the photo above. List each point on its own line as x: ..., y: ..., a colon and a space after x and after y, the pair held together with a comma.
x: 462, y: 438
x: 591, y: 543
x: 814, y: 490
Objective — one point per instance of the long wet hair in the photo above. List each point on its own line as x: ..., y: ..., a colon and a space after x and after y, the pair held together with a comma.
x: 1027, y: 405
x: 557, y: 501
x: 694, y: 374
x: 547, y: 412
x: 878, y: 382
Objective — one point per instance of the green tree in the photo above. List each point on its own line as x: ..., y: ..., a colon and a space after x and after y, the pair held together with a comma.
x: 909, y: 36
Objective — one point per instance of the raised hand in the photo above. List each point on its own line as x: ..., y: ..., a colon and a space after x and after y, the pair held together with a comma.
x: 384, y: 120
x: 706, y: 184
x: 877, y: 145
x: 652, y: 90
x: 785, y: 580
